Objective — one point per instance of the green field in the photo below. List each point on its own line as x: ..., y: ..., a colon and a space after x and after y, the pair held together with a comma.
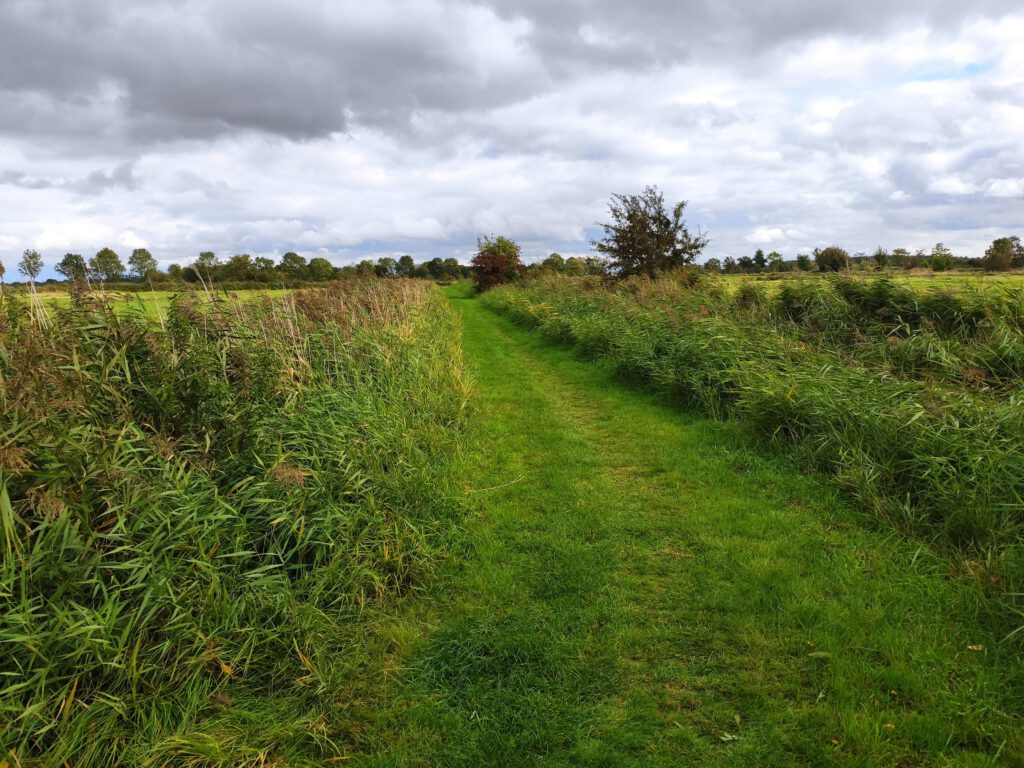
x: 922, y: 281
x: 153, y: 304
x: 655, y: 523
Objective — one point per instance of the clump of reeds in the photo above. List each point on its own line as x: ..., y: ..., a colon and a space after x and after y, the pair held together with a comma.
x: 192, y: 517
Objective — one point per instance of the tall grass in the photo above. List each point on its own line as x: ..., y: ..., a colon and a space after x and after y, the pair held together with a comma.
x: 811, y: 369
x: 193, y: 517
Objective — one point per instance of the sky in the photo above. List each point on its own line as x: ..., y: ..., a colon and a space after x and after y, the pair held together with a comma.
x: 354, y: 130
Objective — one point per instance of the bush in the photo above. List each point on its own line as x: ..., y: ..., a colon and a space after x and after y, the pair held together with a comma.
x: 497, y: 261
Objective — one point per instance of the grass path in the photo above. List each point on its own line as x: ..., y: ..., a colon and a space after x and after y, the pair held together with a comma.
x: 644, y: 590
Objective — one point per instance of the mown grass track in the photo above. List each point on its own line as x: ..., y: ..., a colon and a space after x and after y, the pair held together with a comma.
x: 647, y: 590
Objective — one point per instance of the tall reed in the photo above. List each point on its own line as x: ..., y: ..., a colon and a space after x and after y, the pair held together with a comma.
x: 193, y: 518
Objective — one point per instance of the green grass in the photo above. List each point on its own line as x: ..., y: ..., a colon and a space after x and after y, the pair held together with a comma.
x: 645, y: 589
x: 154, y: 304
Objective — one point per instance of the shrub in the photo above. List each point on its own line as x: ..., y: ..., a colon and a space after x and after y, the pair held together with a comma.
x: 497, y: 261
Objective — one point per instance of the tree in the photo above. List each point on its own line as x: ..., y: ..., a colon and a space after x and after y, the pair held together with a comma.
x: 452, y: 268
x: 803, y: 262
x: 106, y: 265
x: 73, y: 268
x: 643, y: 238
x: 497, y: 261
x: 3, y: 271
x: 760, y: 262
x: 713, y: 265
x: 205, y: 266
x: 320, y: 269
x: 406, y: 266
x: 292, y: 266
x: 176, y: 272
x: 31, y: 265
x: 729, y: 266
x: 881, y: 257
x: 385, y: 266
x: 832, y: 259
x: 899, y: 257
x: 942, y: 258
x: 746, y: 264
x: 1004, y: 254
x: 775, y: 262
x: 575, y: 266
x: 142, y: 264
x: 554, y: 263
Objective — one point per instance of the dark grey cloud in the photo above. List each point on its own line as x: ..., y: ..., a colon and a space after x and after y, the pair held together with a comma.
x: 97, y: 182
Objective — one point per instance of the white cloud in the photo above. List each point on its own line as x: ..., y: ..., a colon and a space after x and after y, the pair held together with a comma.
x: 765, y: 235
x: 1005, y: 188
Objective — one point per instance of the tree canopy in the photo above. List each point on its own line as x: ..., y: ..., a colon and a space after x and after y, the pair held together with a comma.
x: 644, y: 237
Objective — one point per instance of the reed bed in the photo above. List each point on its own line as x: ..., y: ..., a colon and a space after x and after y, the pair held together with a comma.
x: 196, y: 514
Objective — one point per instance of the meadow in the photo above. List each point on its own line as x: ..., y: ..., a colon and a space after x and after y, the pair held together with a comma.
x: 197, y: 513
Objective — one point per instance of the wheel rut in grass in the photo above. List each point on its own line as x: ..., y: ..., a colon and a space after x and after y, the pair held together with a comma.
x: 645, y: 589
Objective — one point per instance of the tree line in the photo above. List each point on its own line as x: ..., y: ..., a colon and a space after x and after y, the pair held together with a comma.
x: 107, y: 267
x: 646, y: 237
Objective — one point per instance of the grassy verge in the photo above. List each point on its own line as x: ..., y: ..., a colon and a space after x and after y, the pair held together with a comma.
x: 195, y: 518
x: 645, y: 590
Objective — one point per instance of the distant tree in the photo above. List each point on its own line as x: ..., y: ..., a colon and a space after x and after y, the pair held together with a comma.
x: 803, y: 262
x: 575, y: 266
x: 292, y: 266
x: 595, y: 266
x: 406, y: 266
x: 899, y: 258
x: 645, y: 238
x: 176, y: 272
x: 713, y: 265
x: 385, y: 267
x: 497, y: 261
x: 919, y: 259
x: 452, y: 268
x: 320, y: 269
x: 3, y: 271
x: 941, y: 259
x: 106, y: 265
x: 142, y: 264
x: 746, y: 264
x: 881, y: 257
x: 554, y: 263
x: 435, y: 268
x: 205, y: 266
x: 263, y: 269
x: 365, y: 268
x: 775, y: 262
x: 239, y: 268
x: 832, y: 259
x: 760, y: 262
x: 31, y: 265
x: 73, y: 268
x: 1004, y: 254
x: 730, y: 266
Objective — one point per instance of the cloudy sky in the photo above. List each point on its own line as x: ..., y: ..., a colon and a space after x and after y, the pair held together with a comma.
x: 352, y: 129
